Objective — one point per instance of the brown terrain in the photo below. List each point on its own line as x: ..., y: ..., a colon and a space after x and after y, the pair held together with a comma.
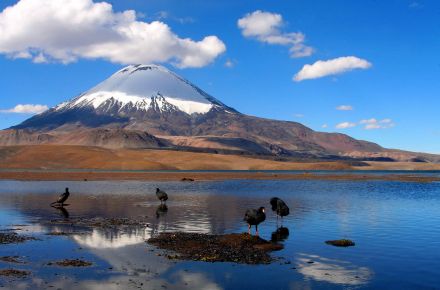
x: 48, y: 162
x: 52, y: 157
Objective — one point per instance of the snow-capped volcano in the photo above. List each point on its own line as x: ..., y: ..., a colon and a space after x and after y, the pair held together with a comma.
x: 144, y: 87
x: 148, y: 106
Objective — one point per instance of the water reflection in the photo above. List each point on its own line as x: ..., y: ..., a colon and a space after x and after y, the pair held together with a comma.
x: 332, y: 270
x: 63, y: 211
x: 182, y: 280
x: 281, y: 234
x: 197, y: 281
x: 161, y: 210
x: 112, y: 239
x: 373, y: 214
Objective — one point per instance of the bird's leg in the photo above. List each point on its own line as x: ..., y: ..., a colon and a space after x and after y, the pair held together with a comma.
x: 249, y: 229
x: 256, y: 230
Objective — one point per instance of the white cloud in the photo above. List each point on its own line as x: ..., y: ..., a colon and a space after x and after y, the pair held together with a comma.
x: 345, y: 125
x: 323, y: 68
x: 324, y: 126
x: 299, y: 115
x: 26, y: 109
x: 229, y: 63
x: 266, y: 27
x: 162, y: 15
x: 371, y: 124
x: 65, y: 31
x: 368, y: 124
x: 344, y: 108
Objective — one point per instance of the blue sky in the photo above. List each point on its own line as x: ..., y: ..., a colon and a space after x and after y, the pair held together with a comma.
x: 391, y: 82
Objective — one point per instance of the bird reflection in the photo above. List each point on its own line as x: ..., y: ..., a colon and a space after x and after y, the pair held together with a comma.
x: 161, y: 210
x: 63, y: 211
x: 281, y: 234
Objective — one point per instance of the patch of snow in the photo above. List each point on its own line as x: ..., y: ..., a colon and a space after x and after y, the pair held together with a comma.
x: 190, y: 107
x: 136, y: 85
x: 98, y: 98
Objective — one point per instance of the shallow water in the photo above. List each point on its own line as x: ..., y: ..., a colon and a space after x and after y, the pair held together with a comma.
x: 396, y: 227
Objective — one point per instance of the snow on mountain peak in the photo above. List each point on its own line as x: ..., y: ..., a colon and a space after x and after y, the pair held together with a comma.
x: 138, y: 86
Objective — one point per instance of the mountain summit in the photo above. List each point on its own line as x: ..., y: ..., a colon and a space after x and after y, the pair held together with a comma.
x: 143, y: 88
x: 148, y: 106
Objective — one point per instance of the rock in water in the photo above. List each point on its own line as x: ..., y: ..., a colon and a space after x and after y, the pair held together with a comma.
x: 238, y: 248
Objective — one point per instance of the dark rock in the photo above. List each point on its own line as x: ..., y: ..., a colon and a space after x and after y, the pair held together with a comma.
x: 11, y: 259
x: 13, y: 238
x: 238, y: 248
x: 340, y: 243
x: 71, y: 263
x: 14, y: 273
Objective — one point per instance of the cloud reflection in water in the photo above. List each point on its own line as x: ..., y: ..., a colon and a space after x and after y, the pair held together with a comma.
x: 333, y: 271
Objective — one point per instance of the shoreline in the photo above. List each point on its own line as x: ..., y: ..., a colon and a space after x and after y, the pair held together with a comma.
x: 204, y: 176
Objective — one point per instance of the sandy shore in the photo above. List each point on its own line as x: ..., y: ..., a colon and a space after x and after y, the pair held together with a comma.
x: 203, y: 176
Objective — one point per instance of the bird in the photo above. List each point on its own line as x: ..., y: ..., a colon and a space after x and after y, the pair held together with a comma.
x: 280, y: 207
x: 254, y: 217
x: 62, y: 198
x: 161, y: 195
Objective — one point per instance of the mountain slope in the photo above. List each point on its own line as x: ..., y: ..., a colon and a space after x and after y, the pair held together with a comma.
x: 148, y: 106
x: 135, y: 92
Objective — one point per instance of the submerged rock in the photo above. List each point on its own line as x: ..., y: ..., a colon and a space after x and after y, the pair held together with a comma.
x: 71, y: 263
x: 14, y: 273
x: 11, y: 259
x: 238, y: 248
x: 100, y: 222
x: 13, y: 238
x: 340, y: 243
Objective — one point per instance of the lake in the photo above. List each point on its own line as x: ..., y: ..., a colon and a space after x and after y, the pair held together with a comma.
x: 395, y: 225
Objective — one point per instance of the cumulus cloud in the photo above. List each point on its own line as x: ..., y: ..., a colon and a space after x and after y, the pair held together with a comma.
x: 65, y: 31
x: 26, y: 109
x: 266, y: 27
x: 323, y: 68
x: 344, y: 108
x: 345, y: 125
x: 371, y: 124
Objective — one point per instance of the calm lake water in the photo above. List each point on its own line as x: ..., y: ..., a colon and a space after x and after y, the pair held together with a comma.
x: 396, y: 227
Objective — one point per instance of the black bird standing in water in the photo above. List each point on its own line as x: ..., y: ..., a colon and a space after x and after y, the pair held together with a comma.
x: 161, y: 195
x: 254, y: 217
x: 280, y: 207
x: 63, y: 197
